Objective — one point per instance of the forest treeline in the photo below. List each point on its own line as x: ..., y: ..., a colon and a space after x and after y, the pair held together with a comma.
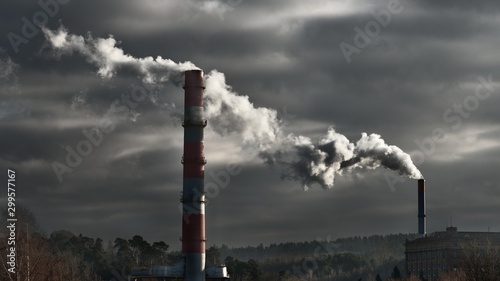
x: 63, y: 255
x: 352, y: 258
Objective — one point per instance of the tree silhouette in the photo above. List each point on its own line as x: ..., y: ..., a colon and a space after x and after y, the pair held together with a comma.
x: 396, y: 274
x: 124, y: 255
x: 159, y: 252
x: 481, y: 263
x: 213, y: 255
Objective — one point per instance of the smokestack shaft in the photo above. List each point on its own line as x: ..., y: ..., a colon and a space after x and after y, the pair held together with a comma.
x: 422, y: 224
x: 193, y: 192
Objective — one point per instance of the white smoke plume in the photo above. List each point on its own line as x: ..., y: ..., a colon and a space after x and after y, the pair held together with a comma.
x: 260, y: 128
x: 311, y: 163
x: 109, y: 58
x: 229, y: 112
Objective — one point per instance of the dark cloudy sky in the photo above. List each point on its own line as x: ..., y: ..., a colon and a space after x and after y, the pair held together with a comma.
x: 432, y: 68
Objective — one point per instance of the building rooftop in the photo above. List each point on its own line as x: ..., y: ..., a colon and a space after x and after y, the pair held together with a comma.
x: 455, y: 238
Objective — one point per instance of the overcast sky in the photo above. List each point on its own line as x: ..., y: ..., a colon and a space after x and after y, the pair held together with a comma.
x: 423, y: 74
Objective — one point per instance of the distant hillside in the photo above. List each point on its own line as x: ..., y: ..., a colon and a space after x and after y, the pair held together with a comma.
x: 376, y: 246
x: 342, y: 259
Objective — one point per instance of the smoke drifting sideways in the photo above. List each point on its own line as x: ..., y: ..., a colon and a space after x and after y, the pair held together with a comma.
x: 260, y: 129
x: 334, y: 154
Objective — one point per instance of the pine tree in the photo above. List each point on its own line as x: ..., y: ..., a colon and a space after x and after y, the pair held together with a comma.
x: 396, y: 274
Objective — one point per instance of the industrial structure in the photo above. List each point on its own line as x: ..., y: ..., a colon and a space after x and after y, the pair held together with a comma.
x: 193, y: 192
x: 422, y: 223
x: 428, y: 256
x: 193, y: 265
x: 444, y: 251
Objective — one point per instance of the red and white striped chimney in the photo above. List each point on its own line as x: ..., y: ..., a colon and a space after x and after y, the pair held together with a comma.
x: 193, y: 192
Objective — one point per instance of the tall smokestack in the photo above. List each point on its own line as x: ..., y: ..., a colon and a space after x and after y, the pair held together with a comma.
x: 193, y: 192
x: 422, y: 227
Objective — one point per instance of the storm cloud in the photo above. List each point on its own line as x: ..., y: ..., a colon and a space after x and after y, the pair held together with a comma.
x: 420, y: 84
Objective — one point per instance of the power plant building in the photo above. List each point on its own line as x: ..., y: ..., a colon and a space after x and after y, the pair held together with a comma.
x: 444, y: 251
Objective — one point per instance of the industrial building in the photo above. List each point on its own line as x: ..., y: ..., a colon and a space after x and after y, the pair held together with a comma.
x: 192, y: 267
x: 442, y: 251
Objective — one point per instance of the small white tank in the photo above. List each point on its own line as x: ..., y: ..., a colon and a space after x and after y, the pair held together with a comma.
x: 219, y: 271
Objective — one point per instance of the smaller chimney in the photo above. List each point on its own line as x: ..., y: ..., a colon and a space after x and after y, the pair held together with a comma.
x: 422, y: 224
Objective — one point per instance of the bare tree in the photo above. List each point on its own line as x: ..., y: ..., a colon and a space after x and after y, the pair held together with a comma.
x: 481, y: 263
x: 35, y: 260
